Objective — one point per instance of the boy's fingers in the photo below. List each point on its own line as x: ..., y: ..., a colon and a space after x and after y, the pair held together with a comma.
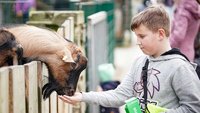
x: 65, y: 99
x: 70, y: 99
x: 66, y: 96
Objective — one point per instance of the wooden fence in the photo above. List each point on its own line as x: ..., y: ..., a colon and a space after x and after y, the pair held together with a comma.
x: 21, y: 90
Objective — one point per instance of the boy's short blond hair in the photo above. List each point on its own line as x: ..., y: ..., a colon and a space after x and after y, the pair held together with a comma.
x: 153, y: 17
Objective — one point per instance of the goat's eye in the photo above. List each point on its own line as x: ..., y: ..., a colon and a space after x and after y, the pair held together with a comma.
x: 73, y: 65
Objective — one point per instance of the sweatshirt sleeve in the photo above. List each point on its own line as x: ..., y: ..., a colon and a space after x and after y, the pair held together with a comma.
x: 187, y: 88
x: 113, y: 98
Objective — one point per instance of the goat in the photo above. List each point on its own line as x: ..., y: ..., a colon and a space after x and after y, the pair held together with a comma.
x: 10, y: 50
x: 65, y: 60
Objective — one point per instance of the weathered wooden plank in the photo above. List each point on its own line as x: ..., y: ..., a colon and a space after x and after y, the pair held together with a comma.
x: 81, y: 87
x: 68, y: 108
x: 31, y: 81
x: 64, y: 107
x: 45, y: 103
x: 19, y: 105
x: 53, y: 102
x: 39, y: 76
x: 10, y: 91
x: 60, y: 106
x: 4, y: 90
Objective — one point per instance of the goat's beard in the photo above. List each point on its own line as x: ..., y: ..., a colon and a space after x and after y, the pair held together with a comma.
x: 47, y: 89
x: 50, y: 87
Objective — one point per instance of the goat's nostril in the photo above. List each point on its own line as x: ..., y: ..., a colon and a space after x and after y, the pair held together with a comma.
x: 71, y: 92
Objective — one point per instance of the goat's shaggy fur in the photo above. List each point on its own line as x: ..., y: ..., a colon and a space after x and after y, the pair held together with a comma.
x: 64, y: 59
x: 10, y: 50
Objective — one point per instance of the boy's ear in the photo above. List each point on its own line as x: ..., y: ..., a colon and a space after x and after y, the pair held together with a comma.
x: 161, y: 33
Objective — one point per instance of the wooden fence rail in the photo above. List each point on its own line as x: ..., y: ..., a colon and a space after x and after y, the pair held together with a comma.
x: 21, y: 90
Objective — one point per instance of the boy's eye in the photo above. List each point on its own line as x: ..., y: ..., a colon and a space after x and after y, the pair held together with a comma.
x: 141, y: 36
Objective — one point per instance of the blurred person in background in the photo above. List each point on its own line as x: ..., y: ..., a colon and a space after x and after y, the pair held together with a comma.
x: 185, y: 26
x: 144, y: 4
x: 168, y: 5
x: 197, y: 47
x: 22, y: 8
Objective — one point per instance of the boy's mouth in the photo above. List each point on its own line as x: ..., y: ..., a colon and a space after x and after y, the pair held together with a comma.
x: 141, y: 47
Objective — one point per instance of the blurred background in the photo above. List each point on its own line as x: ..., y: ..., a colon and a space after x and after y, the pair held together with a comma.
x: 100, y: 27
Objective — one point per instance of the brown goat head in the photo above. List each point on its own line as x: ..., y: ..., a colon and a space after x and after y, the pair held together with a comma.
x: 65, y: 61
x: 10, y: 50
x: 65, y: 85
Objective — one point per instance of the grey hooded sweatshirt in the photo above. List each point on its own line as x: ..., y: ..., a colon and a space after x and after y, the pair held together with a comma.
x: 172, y: 83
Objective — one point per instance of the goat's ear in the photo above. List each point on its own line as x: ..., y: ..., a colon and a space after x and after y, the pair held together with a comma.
x: 68, y: 58
x: 65, y: 55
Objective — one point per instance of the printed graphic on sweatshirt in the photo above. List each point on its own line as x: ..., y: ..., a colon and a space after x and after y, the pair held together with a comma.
x: 153, y: 84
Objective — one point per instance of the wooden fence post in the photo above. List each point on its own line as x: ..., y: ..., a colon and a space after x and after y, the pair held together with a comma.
x: 31, y: 87
x: 4, y: 90
x: 21, y: 90
x: 44, y: 79
x: 19, y: 105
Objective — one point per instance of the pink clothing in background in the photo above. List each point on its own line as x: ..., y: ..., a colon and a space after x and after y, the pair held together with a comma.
x: 24, y: 5
x: 185, y: 27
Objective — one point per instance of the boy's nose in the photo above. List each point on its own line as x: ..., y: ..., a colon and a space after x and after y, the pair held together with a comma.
x: 139, y: 43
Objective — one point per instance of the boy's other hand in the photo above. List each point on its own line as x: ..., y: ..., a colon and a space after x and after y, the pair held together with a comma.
x: 77, y: 97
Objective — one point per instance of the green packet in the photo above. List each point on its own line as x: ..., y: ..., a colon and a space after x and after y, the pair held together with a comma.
x: 132, y: 106
x: 155, y: 109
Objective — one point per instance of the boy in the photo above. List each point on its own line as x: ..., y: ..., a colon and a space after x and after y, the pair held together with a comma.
x: 172, y: 80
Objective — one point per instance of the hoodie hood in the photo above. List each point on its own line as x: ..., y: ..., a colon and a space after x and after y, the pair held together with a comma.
x: 171, y: 54
x: 174, y: 53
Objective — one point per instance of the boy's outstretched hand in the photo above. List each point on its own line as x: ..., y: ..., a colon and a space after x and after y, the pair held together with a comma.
x: 77, y: 97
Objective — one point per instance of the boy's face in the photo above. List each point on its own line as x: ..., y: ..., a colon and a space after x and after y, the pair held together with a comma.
x: 147, y: 40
